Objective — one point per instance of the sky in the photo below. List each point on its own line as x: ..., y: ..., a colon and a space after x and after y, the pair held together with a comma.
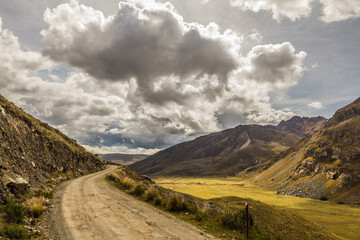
x: 138, y: 76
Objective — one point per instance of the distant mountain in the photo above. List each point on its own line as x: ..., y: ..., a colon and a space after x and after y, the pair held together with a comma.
x: 33, y: 154
x: 230, y: 151
x: 221, y: 153
x: 325, y: 164
x: 301, y: 126
x: 123, y: 159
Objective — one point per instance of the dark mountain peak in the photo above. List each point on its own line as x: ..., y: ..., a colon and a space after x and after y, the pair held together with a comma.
x: 302, y: 126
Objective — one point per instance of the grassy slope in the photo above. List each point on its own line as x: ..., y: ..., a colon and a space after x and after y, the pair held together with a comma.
x: 278, y: 223
x: 341, y: 220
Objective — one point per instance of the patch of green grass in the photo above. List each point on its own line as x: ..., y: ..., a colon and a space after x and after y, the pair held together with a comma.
x: 14, y: 211
x: 235, y: 220
x: 14, y: 231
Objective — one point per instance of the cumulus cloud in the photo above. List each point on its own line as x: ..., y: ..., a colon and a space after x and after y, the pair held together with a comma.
x: 317, y: 105
x: 340, y: 10
x: 143, y: 78
x: 144, y: 43
x: 279, y: 8
x: 278, y: 65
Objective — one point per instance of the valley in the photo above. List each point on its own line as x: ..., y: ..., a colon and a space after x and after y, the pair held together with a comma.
x: 342, y: 220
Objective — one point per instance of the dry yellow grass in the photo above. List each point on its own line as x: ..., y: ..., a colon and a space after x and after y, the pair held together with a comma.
x: 36, y: 206
x: 342, y: 220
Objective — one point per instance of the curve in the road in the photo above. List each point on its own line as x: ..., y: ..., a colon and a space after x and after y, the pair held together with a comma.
x: 93, y: 209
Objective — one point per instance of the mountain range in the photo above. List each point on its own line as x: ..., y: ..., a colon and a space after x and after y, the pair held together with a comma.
x: 230, y: 151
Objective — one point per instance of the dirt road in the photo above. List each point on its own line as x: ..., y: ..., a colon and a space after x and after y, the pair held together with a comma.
x: 90, y: 208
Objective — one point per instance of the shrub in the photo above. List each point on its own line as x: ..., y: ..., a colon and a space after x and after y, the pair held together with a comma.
x: 111, y: 178
x: 151, y: 194
x: 235, y: 220
x: 14, y: 211
x: 36, y: 210
x: 36, y: 206
x: 192, y: 207
x: 126, y: 183
x: 158, y: 200
x: 323, y: 198
x: 176, y: 203
x: 13, y: 231
x: 138, y: 190
x: 201, y: 215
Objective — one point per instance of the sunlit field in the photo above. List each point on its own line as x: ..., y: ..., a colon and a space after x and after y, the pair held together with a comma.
x: 342, y: 220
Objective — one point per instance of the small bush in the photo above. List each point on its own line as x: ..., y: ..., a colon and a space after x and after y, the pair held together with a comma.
x: 138, y: 190
x: 151, y: 194
x: 176, y: 203
x: 14, y: 211
x: 201, y: 215
x: 158, y: 200
x: 235, y: 220
x: 37, y: 210
x: 192, y: 207
x: 36, y: 206
x: 323, y: 198
x: 13, y: 231
x: 126, y: 183
x: 111, y: 178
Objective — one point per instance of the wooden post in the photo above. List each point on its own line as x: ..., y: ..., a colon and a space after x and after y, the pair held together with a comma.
x: 247, y: 219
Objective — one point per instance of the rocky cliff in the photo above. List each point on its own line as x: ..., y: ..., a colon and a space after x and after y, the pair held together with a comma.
x: 33, y: 154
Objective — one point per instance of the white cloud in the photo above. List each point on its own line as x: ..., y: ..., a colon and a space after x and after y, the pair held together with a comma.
x: 195, y: 80
x: 120, y: 149
x: 279, y: 8
x: 317, y: 105
x: 278, y: 65
x: 332, y: 10
x: 144, y: 43
x: 340, y: 10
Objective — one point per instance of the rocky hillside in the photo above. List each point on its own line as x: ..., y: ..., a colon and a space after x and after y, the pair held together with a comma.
x: 302, y: 126
x: 222, y: 153
x: 32, y: 153
x: 323, y: 165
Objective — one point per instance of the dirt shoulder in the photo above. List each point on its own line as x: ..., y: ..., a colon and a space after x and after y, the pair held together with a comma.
x: 90, y: 208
